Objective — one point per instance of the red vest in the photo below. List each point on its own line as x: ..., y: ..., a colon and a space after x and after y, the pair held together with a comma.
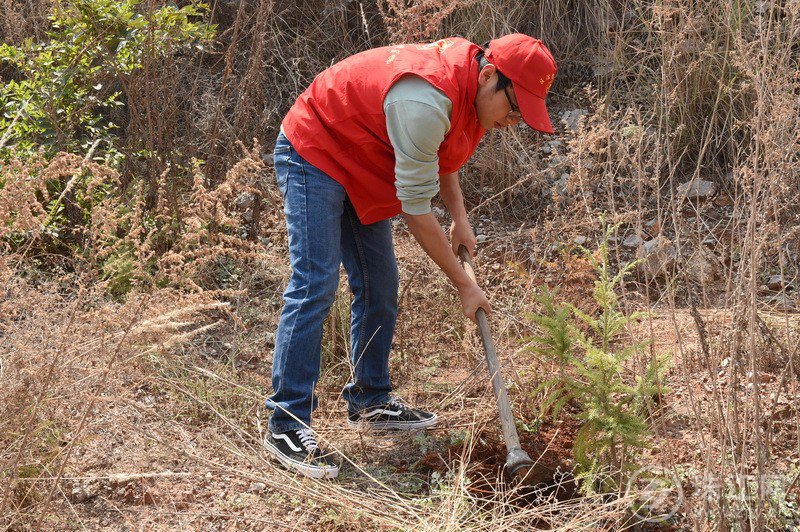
x: 339, y: 126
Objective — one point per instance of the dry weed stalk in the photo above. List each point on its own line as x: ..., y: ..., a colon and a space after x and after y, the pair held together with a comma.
x: 416, y: 20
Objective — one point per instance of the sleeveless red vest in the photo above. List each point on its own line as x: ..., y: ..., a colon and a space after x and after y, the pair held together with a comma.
x: 339, y: 126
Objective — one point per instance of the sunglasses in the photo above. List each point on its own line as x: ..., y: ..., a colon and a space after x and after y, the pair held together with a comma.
x: 515, y: 113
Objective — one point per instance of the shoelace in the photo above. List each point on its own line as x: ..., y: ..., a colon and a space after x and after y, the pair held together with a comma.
x: 307, y: 438
x: 397, y: 403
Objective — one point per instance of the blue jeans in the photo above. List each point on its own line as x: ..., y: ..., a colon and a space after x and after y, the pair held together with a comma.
x: 325, y: 232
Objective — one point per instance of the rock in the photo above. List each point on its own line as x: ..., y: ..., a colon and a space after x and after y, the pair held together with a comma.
x: 573, y: 119
x: 438, y: 212
x: 782, y: 301
x: 710, y: 241
x: 580, y: 240
x: 653, y: 226
x: 697, y: 189
x: 560, y: 190
x: 269, y: 339
x: 482, y: 238
x: 775, y: 282
x: 659, y: 256
x: 257, y: 487
x: 632, y: 241
x: 702, y: 267
x: 723, y: 200
x: 80, y: 494
x: 245, y: 200
x: 264, y: 241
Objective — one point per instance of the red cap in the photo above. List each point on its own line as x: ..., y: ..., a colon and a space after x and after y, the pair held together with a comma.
x: 531, y: 68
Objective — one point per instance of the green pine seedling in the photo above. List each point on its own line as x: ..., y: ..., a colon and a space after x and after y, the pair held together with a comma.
x: 591, y: 373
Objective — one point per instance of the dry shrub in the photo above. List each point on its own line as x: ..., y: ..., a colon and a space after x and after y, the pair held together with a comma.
x: 416, y: 20
x: 66, y: 361
x: 23, y: 19
x: 221, y: 224
x: 120, y: 242
x: 21, y: 197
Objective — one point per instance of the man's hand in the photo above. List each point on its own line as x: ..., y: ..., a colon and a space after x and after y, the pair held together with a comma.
x: 461, y: 234
x: 473, y: 298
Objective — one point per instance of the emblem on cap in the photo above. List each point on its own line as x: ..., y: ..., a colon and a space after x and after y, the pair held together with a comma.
x: 547, y: 81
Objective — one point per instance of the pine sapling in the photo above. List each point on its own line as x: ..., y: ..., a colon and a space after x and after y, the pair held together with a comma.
x: 591, y: 372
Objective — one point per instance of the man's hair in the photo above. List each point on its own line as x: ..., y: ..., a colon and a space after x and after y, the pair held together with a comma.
x: 502, y: 80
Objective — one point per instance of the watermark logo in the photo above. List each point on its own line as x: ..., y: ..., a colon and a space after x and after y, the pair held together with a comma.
x: 656, y: 494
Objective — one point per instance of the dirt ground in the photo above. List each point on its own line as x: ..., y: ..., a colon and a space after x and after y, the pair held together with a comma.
x: 170, y: 439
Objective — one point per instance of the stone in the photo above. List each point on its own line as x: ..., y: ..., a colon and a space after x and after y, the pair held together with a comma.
x: 245, y: 200
x: 653, y: 226
x: 482, y: 238
x: 80, y: 494
x: 782, y: 301
x: 573, y: 119
x: 438, y: 212
x: 580, y: 240
x: 775, y: 282
x: 560, y: 190
x: 697, y: 189
x: 257, y: 487
x: 269, y: 339
x: 632, y: 241
x: 658, y: 256
x: 702, y: 267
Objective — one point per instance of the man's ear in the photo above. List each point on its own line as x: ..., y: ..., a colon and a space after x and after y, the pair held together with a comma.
x: 486, y: 74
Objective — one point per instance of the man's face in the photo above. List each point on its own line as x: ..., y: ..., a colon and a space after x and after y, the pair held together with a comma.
x: 494, y: 106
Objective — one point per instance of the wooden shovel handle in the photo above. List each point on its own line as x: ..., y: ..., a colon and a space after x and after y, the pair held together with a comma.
x: 501, y: 394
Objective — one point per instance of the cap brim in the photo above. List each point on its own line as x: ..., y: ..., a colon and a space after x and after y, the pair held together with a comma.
x: 533, y: 109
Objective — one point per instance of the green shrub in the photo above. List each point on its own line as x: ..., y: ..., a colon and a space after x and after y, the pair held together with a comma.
x: 63, y: 88
x: 591, y: 373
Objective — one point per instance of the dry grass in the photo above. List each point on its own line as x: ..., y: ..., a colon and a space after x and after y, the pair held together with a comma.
x: 134, y: 341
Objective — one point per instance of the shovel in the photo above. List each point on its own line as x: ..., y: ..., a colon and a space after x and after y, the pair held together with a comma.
x: 518, y: 463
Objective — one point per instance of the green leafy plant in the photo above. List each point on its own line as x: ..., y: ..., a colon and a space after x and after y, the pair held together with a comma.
x: 61, y: 90
x: 592, y: 373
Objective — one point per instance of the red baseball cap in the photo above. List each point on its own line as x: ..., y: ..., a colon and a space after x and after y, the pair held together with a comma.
x: 531, y: 68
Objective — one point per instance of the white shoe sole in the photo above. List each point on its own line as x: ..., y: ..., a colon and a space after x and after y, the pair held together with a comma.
x: 320, y: 472
x: 394, y: 425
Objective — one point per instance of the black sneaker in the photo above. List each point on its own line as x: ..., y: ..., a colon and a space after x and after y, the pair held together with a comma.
x: 392, y: 415
x: 298, y: 450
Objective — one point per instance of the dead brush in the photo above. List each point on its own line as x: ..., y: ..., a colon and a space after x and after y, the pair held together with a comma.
x: 54, y: 390
x: 215, y: 220
x: 20, y: 20
x: 417, y: 20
